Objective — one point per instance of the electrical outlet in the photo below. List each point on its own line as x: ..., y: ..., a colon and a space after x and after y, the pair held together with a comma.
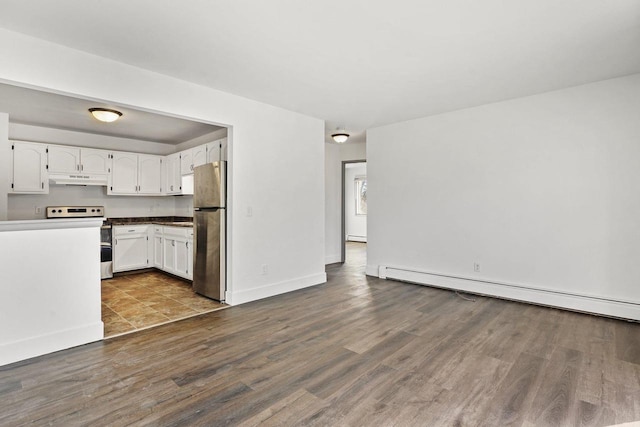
x: 476, y: 266
x: 265, y: 269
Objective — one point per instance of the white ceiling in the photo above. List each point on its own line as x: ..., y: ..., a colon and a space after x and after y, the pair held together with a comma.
x: 355, y: 63
x: 33, y: 107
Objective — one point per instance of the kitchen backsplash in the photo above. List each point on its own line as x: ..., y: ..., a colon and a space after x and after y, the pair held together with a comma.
x: 24, y: 206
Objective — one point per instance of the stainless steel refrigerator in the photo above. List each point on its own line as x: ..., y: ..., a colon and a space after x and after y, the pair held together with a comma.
x: 209, y: 222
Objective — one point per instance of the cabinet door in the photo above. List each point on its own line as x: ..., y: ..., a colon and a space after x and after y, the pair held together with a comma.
x: 224, y: 149
x: 190, y: 258
x: 95, y: 161
x: 199, y: 155
x: 157, y: 247
x: 29, y: 171
x: 130, y: 252
x: 182, y: 257
x: 64, y: 159
x: 172, y: 176
x: 149, y: 174
x: 169, y: 254
x: 186, y: 162
x: 213, y: 151
x: 124, y: 173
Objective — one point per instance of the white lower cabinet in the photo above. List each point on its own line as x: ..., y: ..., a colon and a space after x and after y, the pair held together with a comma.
x: 130, y: 247
x: 177, y: 246
x: 158, y: 237
x: 166, y: 248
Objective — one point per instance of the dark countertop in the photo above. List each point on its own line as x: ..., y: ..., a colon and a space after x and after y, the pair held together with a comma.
x: 174, y: 224
x: 173, y: 221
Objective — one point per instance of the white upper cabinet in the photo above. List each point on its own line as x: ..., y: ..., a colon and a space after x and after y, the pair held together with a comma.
x: 223, y: 149
x: 217, y: 150
x: 192, y: 158
x: 149, y: 174
x: 124, y: 173
x: 199, y: 155
x: 29, y: 168
x: 213, y: 151
x: 64, y: 159
x: 172, y: 176
x: 94, y: 161
x: 133, y: 173
x: 186, y: 162
x: 69, y: 160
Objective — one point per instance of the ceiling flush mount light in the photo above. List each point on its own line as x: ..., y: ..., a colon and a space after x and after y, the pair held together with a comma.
x: 340, y: 137
x: 105, y: 114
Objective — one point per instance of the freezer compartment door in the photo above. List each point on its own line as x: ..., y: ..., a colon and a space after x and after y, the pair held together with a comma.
x: 209, y: 276
x: 210, y: 185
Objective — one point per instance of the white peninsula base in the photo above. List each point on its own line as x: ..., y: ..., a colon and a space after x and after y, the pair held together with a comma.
x: 49, y: 286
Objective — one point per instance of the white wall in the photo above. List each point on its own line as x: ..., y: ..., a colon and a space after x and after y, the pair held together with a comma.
x: 542, y: 192
x: 335, y: 154
x: 268, y: 146
x: 355, y: 225
x: 5, y: 154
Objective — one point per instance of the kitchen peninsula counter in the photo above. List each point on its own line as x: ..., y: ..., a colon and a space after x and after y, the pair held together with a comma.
x: 49, y: 286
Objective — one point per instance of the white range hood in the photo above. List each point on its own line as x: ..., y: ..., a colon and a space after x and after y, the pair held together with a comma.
x: 77, y: 179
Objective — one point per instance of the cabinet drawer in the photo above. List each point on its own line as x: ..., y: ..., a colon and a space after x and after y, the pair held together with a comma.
x: 127, y: 230
x: 184, y: 232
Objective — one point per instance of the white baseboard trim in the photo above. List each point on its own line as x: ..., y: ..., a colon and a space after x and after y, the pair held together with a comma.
x: 362, y: 239
x: 331, y: 259
x: 371, y: 270
x: 549, y: 297
x: 253, y: 294
x: 43, y: 344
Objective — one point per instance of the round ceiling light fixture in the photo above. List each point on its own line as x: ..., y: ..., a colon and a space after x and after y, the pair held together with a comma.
x: 105, y: 114
x: 340, y: 137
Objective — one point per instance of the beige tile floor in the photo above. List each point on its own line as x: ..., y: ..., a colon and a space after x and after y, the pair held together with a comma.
x: 138, y: 301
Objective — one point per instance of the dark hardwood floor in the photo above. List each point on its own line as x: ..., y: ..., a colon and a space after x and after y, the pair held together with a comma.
x: 356, y: 351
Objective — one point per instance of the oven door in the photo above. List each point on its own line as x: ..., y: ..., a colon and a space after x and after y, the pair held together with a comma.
x: 106, y: 253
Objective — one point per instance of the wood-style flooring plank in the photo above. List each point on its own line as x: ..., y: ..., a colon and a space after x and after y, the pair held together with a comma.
x: 356, y: 351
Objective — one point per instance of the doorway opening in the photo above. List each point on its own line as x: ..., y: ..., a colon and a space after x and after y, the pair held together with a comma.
x: 354, y: 209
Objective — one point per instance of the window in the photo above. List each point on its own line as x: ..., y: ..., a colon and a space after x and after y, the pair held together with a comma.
x: 361, y: 195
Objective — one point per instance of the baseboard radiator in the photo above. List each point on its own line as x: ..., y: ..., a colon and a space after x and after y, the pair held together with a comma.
x: 625, y: 309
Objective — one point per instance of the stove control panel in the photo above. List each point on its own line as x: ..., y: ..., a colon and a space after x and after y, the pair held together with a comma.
x: 75, y: 211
